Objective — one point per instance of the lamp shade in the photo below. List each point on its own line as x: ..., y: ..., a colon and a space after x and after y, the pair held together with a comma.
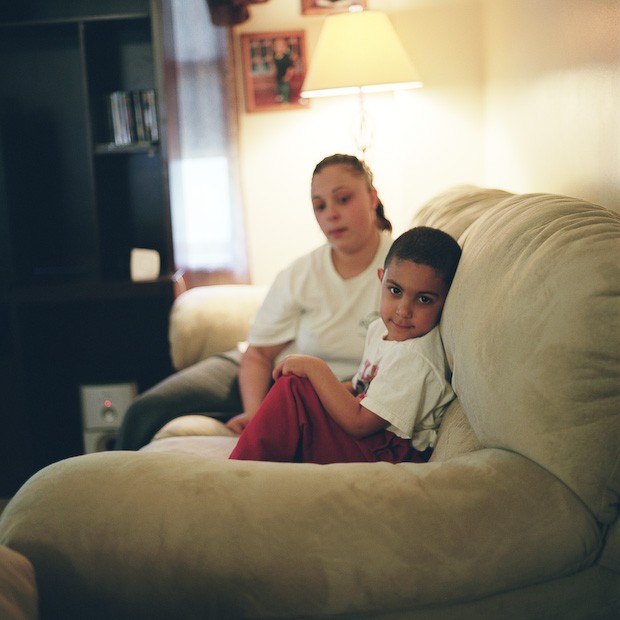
x: 358, y: 51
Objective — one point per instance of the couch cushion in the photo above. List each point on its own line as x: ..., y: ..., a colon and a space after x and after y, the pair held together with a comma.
x: 209, y: 447
x: 455, y: 435
x: 610, y: 558
x: 194, y: 424
x: 531, y: 333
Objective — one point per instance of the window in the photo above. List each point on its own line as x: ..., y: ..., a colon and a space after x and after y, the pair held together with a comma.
x: 206, y: 212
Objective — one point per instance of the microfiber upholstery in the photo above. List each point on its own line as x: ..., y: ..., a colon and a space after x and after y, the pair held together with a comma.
x: 514, y: 517
x: 455, y: 209
x: 210, y: 319
x: 531, y: 334
x: 18, y: 587
x: 157, y: 535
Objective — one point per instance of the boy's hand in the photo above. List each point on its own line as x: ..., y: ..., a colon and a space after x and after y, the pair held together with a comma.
x: 299, y: 365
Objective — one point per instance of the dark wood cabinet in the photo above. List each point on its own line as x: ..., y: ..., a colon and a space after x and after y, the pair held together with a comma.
x: 72, y: 206
x: 75, y: 203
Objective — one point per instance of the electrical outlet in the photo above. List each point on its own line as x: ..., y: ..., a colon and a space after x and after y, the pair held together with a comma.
x: 104, y: 406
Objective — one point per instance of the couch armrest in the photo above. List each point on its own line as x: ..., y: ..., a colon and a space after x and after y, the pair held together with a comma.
x: 241, y: 539
x: 211, y: 319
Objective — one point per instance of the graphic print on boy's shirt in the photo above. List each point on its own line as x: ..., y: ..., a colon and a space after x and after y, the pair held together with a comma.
x: 365, y: 377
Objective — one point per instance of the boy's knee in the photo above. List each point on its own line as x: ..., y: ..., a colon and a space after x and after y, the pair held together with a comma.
x: 292, y: 381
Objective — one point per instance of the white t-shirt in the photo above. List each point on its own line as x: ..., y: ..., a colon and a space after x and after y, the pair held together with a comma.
x: 322, y: 314
x: 406, y: 383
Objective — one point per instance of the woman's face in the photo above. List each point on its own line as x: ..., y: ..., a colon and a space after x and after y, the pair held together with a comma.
x: 344, y: 208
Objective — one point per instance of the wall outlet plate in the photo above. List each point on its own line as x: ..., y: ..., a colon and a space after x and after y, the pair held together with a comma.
x: 104, y: 405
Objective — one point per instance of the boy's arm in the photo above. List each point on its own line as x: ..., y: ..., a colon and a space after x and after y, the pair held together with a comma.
x: 348, y: 385
x: 337, y: 398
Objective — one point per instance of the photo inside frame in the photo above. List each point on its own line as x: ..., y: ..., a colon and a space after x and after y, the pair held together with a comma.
x: 275, y: 70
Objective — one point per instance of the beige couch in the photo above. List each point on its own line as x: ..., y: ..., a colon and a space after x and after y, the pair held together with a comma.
x: 18, y: 588
x: 515, y: 517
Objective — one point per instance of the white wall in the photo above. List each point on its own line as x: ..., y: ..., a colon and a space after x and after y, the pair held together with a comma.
x: 424, y: 140
x: 519, y: 94
x: 553, y: 97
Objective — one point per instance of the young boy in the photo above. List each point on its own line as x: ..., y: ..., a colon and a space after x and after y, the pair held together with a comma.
x: 391, y: 409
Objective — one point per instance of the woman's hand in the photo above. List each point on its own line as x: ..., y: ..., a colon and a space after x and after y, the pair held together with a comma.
x: 254, y: 382
x: 238, y: 423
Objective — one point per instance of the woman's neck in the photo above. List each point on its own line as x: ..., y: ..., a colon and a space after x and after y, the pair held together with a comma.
x: 350, y: 264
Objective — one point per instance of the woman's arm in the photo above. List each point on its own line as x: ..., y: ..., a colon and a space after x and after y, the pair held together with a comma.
x: 254, y: 381
x: 337, y: 398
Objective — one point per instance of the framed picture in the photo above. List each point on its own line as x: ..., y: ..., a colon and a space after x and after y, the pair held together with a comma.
x: 274, y: 67
x: 323, y: 7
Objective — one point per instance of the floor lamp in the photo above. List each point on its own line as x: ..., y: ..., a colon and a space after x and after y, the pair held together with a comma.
x: 359, y: 52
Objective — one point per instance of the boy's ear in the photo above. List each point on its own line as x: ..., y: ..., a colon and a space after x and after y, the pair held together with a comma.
x: 380, y: 273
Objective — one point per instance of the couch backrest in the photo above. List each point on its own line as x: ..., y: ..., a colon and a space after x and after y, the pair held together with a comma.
x: 455, y: 209
x: 531, y: 330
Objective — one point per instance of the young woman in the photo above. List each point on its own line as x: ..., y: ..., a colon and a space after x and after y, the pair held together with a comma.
x: 320, y: 305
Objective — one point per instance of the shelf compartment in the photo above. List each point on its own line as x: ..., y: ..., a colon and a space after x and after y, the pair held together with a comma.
x: 43, y: 131
x: 119, y: 57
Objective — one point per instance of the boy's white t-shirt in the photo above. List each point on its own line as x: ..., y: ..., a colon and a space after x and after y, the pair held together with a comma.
x: 322, y: 314
x: 406, y: 383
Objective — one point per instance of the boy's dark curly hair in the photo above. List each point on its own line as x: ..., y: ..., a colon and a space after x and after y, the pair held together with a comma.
x: 427, y: 246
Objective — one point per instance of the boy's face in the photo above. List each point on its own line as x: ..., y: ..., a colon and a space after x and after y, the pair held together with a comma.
x: 412, y: 298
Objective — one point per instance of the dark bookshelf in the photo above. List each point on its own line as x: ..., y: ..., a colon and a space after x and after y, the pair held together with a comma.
x: 72, y: 206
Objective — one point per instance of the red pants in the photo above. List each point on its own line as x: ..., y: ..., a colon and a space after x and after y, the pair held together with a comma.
x: 291, y: 425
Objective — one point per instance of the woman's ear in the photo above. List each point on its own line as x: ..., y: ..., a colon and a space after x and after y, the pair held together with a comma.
x: 380, y: 273
x: 374, y: 198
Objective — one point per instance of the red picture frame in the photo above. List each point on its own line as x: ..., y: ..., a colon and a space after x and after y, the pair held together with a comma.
x: 325, y: 7
x: 274, y: 68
